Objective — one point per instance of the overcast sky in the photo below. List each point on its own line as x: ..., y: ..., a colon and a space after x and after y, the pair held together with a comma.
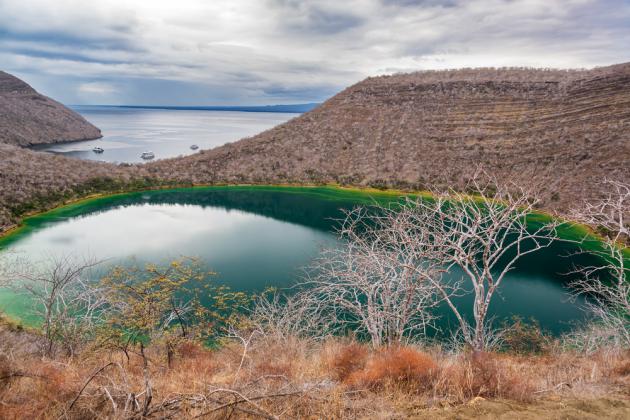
x: 210, y: 52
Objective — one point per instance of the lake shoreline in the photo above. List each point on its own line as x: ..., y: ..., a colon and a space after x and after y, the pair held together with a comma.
x: 583, y: 230
x: 293, y: 205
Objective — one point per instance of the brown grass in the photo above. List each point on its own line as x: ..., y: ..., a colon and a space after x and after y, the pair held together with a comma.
x: 485, y: 375
x: 402, y: 367
x: 297, y: 378
x: 349, y: 359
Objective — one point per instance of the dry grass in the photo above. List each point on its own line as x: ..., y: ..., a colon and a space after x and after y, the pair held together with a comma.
x: 403, y: 367
x: 297, y: 378
x: 622, y: 368
x: 485, y: 375
x: 348, y: 360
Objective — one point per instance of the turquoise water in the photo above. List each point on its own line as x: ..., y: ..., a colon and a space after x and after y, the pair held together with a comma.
x: 254, y: 237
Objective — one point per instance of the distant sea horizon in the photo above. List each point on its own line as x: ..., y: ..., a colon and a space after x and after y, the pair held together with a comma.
x: 167, y: 131
x: 284, y: 108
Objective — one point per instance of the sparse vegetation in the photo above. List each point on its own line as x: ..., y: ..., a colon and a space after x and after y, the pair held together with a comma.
x: 149, y: 357
x: 303, y: 378
x: 135, y: 346
x: 563, y: 131
x: 28, y: 118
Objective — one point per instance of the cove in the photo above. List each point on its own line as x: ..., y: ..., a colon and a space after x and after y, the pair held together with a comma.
x: 255, y: 237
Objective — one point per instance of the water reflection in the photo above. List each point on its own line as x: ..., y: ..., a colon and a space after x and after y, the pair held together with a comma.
x: 256, y: 238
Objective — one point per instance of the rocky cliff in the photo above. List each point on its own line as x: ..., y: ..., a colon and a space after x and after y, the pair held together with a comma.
x: 29, y: 118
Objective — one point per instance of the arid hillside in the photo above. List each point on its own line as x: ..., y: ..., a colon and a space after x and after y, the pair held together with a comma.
x: 28, y: 118
x: 562, y: 130
x: 35, y: 181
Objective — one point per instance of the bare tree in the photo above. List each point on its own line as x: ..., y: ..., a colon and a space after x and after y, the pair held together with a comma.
x: 5, y: 257
x: 63, y: 297
x: 392, y: 267
x: 284, y: 316
x: 607, y: 284
x: 377, y: 281
x: 483, y: 235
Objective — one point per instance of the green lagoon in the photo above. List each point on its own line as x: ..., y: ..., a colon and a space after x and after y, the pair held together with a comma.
x: 254, y: 237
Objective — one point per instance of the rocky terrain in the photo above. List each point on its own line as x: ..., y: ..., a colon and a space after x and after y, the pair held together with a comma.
x: 564, y: 131
x: 28, y: 118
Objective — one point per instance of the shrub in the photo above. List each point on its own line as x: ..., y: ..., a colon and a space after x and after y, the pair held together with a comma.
x: 402, y: 366
x: 6, y: 371
x: 348, y: 360
x: 481, y: 374
x: 622, y: 367
x: 190, y: 350
x: 525, y: 338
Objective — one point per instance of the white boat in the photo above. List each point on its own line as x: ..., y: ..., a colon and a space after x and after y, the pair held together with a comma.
x: 147, y: 155
x: 98, y: 150
x: 194, y: 147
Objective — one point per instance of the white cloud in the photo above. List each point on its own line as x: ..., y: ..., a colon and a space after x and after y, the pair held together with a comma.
x: 266, y: 51
x: 96, y: 88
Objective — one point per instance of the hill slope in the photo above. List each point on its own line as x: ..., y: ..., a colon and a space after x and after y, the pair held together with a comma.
x: 28, y: 118
x: 563, y: 130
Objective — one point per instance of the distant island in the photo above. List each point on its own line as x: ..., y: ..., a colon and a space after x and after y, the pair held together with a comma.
x: 289, y: 108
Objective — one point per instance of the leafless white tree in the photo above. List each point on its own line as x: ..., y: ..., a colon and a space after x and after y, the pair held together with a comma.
x: 283, y: 316
x: 483, y: 235
x: 607, y: 284
x: 392, y: 267
x: 63, y: 297
x: 377, y: 281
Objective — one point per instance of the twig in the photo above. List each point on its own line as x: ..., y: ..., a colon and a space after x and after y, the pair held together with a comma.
x: 249, y: 400
x: 22, y: 375
x: 560, y: 385
x: 87, y: 382
x: 147, y: 383
x: 111, y: 399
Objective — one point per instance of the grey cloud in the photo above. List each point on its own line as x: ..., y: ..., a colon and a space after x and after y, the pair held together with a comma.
x: 249, y: 51
x: 420, y: 3
x: 319, y: 21
x: 60, y: 55
x: 62, y: 39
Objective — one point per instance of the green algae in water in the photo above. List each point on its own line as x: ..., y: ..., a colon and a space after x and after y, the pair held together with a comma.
x: 258, y: 236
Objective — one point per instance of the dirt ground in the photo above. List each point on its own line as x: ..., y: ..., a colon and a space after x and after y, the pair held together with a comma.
x: 554, y: 408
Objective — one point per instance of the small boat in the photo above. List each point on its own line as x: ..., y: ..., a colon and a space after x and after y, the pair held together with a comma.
x: 98, y: 150
x: 147, y: 155
x: 194, y: 147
